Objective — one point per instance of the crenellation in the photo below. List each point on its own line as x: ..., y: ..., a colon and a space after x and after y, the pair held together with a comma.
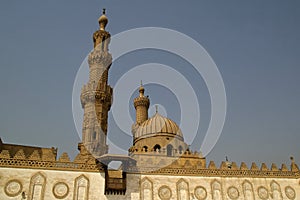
x: 212, y: 165
x: 274, y: 167
x: 264, y: 167
x: 4, y: 154
x: 234, y: 166
x: 243, y: 166
x: 223, y: 165
x: 64, y: 157
x: 254, y: 167
x: 284, y: 168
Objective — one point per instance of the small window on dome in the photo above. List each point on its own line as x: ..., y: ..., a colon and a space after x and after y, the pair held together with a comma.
x: 180, y: 149
x: 145, y: 148
x: 169, y: 150
x: 157, y: 148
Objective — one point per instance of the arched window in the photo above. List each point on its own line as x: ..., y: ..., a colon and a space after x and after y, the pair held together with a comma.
x: 157, y: 148
x: 169, y: 150
x: 145, y: 148
x: 180, y: 149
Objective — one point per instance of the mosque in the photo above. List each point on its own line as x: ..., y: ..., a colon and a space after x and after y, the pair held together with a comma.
x: 159, y: 164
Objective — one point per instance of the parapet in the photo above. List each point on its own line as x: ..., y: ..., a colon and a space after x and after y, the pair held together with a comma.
x: 21, y: 156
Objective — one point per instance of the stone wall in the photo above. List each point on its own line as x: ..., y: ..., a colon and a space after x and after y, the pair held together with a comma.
x: 215, y: 188
x: 18, y: 183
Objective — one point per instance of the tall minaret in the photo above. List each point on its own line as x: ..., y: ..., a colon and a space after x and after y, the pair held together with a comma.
x: 96, y: 95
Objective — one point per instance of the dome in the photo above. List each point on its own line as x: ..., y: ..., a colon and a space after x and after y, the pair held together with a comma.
x: 158, y: 125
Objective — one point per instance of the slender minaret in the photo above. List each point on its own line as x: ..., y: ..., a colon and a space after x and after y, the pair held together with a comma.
x: 141, y: 104
x: 96, y: 95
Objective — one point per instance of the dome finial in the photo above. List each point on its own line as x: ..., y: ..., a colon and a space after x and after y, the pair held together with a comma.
x: 103, y: 20
x: 156, y: 108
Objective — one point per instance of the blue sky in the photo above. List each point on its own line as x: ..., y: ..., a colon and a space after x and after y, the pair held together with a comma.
x: 255, y: 45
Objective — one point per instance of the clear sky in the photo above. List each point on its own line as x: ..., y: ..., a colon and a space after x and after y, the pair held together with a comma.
x: 255, y: 45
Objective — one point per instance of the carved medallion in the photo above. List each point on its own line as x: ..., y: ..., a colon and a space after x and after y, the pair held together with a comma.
x: 60, y: 190
x: 164, y: 192
x: 200, y: 193
x: 290, y: 192
x: 13, y: 188
x: 233, y: 192
x: 263, y: 193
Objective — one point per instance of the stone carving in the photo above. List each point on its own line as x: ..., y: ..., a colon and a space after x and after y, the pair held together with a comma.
x: 182, y: 190
x: 233, y: 192
x: 146, y: 189
x: 60, y: 190
x: 13, y: 188
x: 35, y: 155
x: 164, y: 192
x: 216, y: 188
x: 81, y: 188
x: 275, y: 191
x: 37, y: 186
x: 20, y: 154
x: 5, y: 154
x: 200, y: 193
x: 290, y: 192
x: 248, y: 190
x: 263, y: 193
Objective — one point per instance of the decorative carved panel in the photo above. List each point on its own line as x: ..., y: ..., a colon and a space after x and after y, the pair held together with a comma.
x: 200, y: 193
x: 233, y: 192
x: 13, y: 188
x: 290, y: 192
x: 146, y: 189
x: 81, y: 188
x: 37, y: 186
x: 183, y: 190
x: 263, y: 193
x: 164, y: 192
x: 60, y: 190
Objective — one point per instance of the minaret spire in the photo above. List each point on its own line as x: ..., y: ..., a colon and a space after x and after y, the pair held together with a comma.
x: 96, y: 95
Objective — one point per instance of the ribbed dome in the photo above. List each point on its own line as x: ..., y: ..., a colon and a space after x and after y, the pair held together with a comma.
x: 158, y: 125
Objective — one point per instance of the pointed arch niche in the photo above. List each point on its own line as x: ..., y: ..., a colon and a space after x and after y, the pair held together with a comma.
x: 81, y: 188
x: 248, y: 190
x: 183, y: 190
x: 37, y: 186
x: 146, y: 189
x: 275, y: 190
x: 216, y: 189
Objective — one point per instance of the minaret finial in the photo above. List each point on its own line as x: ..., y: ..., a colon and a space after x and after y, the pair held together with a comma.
x: 103, y: 20
x: 141, y: 90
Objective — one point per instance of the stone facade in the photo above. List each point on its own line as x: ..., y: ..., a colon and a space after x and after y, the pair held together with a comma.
x: 159, y: 165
